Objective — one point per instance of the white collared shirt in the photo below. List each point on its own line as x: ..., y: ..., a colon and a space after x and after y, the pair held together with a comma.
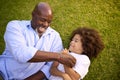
x: 22, y: 42
x: 81, y: 66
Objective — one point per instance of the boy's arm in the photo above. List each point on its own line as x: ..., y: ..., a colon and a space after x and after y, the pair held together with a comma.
x: 54, y: 71
x: 73, y: 75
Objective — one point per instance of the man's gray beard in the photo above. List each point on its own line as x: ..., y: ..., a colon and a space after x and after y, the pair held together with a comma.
x: 39, y: 34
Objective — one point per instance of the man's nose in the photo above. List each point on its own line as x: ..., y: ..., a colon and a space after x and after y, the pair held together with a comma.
x: 45, y: 24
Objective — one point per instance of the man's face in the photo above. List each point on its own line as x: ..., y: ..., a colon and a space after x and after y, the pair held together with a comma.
x: 40, y: 22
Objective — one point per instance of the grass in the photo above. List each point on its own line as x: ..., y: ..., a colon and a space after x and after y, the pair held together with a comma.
x: 102, y: 15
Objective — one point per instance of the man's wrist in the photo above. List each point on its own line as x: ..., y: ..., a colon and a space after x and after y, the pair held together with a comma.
x: 60, y: 57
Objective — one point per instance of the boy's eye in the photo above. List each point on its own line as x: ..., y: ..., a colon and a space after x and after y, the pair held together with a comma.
x: 76, y: 40
x: 72, y: 40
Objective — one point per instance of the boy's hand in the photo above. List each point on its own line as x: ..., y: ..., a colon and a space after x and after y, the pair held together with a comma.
x: 67, y: 59
x: 65, y: 51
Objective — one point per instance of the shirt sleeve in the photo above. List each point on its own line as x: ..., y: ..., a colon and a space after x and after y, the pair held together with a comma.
x: 46, y: 69
x: 82, y: 66
x: 55, y: 47
x: 16, y: 43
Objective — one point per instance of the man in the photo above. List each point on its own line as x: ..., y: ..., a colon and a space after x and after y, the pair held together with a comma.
x: 31, y: 45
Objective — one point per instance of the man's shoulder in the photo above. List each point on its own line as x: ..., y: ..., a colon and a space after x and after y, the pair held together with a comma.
x: 18, y: 23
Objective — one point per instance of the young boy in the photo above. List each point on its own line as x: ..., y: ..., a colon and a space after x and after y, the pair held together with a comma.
x: 85, y: 44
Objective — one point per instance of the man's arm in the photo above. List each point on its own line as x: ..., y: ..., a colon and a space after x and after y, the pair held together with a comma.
x: 42, y: 56
x: 37, y: 76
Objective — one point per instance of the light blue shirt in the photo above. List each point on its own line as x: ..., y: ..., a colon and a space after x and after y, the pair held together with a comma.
x: 22, y: 42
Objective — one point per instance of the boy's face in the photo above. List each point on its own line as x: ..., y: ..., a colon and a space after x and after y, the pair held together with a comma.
x: 76, y: 44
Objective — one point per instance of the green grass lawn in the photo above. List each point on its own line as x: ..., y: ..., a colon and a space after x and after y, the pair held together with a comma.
x: 102, y: 15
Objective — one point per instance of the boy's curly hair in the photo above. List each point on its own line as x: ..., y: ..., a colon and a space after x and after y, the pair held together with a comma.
x: 91, y: 41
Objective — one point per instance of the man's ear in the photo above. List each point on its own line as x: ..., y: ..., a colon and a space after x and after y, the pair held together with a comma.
x: 33, y: 13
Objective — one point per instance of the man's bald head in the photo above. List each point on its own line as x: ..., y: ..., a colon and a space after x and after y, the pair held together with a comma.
x: 41, y: 17
x: 42, y: 8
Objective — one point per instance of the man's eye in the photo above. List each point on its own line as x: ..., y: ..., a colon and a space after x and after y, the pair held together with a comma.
x: 49, y: 21
x: 43, y: 20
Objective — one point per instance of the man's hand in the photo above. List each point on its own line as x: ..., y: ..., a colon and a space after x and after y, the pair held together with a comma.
x: 67, y: 59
